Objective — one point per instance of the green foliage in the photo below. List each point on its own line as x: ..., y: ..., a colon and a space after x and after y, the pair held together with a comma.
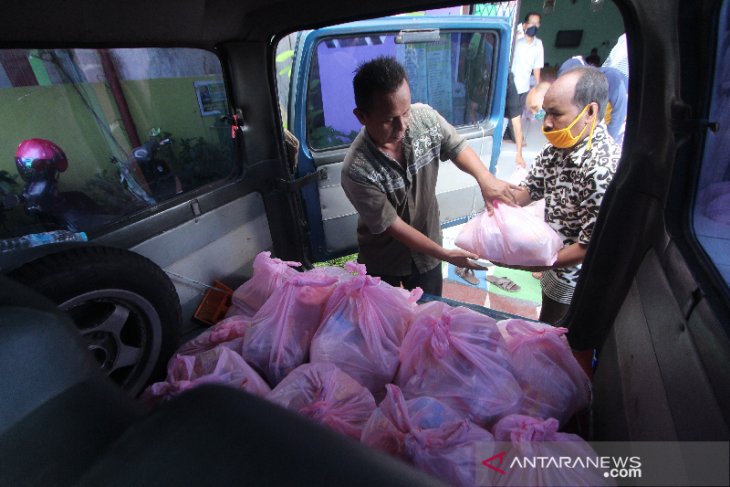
x: 284, y: 55
x: 200, y: 162
x: 339, y: 261
x: 285, y: 58
x: 8, y: 182
x: 13, y: 220
x: 320, y: 135
x: 326, y: 137
x: 105, y: 189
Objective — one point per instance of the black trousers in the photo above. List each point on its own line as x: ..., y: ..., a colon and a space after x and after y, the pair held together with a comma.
x: 552, y: 311
x: 432, y: 282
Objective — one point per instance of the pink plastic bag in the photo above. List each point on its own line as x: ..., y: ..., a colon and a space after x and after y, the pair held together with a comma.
x: 220, y: 365
x: 513, y: 236
x: 280, y: 334
x: 228, y: 332
x: 341, y: 273
x: 553, y: 383
x: 268, y: 275
x: 426, y: 432
x: 518, y: 175
x: 457, y: 356
x: 327, y: 395
x: 537, y: 208
x: 362, y: 330
x: 518, y: 428
x: 539, y: 438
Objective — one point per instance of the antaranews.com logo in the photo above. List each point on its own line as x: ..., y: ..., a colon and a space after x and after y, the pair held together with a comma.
x: 612, y: 467
x: 564, y: 463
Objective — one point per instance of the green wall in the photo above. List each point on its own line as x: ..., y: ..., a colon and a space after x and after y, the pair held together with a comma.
x: 600, y: 29
x: 171, y: 105
x: 58, y: 113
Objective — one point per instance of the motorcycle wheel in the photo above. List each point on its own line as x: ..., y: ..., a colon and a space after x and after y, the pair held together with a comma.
x: 125, y: 307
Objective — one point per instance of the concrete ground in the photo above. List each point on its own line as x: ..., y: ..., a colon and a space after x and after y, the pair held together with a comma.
x: 526, y: 301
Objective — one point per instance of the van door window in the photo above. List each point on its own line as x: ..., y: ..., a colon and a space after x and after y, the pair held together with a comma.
x: 89, y: 137
x: 712, y: 206
x: 451, y: 71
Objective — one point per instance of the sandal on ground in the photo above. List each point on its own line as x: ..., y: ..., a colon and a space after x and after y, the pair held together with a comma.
x: 504, y: 283
x: 467, y: 275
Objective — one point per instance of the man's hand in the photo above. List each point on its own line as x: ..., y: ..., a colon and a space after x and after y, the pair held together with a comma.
x: 496, y: 189
x: 492, y: 188
x: 461, y: 258
x: 522, y: 196
x: 415, y: 240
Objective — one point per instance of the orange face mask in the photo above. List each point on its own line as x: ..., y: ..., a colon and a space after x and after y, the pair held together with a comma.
x: 563, y: 138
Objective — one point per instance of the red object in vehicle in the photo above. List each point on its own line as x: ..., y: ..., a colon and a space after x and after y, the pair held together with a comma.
x: 39, y: 158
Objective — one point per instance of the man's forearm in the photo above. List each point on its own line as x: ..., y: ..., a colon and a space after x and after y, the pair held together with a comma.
x: 492, y: 188
x: 468, y: 161
x: 415, y: 240
x: 570, y: 256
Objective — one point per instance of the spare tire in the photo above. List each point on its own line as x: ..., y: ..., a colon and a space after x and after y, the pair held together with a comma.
x: 124, y: 305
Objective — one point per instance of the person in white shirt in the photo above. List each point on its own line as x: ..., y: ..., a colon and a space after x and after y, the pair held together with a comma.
x: 528, y: 58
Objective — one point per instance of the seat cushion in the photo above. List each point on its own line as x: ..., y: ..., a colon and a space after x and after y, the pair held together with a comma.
x: 61, y: 439
x: 215, y: 435
x: 41, y: 355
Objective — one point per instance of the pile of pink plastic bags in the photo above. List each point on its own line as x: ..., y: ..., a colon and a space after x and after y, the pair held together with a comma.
x: 428, y: 383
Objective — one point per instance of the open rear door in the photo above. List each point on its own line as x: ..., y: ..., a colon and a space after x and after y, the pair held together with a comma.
x: 456, y: 64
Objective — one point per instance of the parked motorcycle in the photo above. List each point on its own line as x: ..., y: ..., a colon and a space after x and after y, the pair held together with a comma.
x: 145, y: 174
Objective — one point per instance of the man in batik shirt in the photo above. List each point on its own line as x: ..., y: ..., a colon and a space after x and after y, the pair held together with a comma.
x: 572, y: 173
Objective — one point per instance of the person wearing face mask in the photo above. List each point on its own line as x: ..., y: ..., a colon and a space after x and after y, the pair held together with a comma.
x: 389, y: 175
x: 572, y: 173
x: 528, y: 56
x: 615, y: 113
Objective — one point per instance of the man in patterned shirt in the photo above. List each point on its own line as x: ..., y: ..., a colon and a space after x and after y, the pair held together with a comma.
x: 389, y: 175
x: 572, y: 173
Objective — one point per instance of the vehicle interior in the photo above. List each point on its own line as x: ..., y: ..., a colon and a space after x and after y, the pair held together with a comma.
x: 653, y: 296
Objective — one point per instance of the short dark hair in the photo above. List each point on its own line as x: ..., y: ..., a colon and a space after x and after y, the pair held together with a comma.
x: 592, y: 86
x: 380, y: 75
x: 530, y: 14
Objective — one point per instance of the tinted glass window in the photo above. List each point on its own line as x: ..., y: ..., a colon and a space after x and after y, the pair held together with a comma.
x: 89, y: 137
x: 712, y: 207
x: 453, y: 75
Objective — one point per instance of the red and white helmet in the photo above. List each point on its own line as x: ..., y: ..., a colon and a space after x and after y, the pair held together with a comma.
x: 39, y: 159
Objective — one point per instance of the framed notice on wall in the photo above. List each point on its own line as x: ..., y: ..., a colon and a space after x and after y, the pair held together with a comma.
x: 211, y: 97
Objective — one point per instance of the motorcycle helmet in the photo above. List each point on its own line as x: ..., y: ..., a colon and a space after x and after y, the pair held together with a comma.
x: 39, y: 159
